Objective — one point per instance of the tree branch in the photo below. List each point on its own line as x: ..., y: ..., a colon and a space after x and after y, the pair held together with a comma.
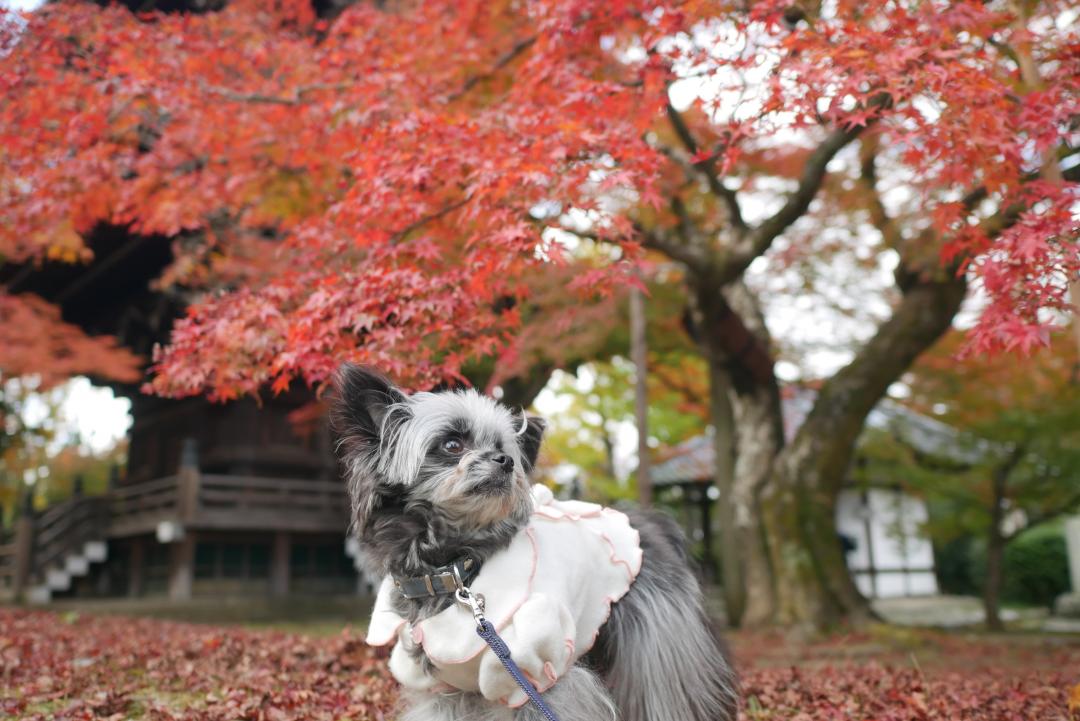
x: 507, y: 58
x: 688, y: 255
x: 887, y: 226
x: 797, y: 203
x: 400, y: 235
x: 260, y: 98
x: 829, y: 433
x: 1068, y: 506
x: 707, y: 167
x: 930, y: 301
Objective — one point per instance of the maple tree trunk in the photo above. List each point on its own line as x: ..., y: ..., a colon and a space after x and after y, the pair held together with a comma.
x: 745, y: 413
x: 995, y: 556
x: 723, y: 440
x: 639, y: 355
x: 759, y: 437
x: 995, y: 543
x: 812, y: 583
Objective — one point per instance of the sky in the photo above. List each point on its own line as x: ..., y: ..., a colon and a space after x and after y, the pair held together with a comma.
x: 89, y: 414
x: 21, y: 4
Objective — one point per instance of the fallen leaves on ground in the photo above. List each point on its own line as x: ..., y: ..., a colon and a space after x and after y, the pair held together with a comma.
x: 72, y: 668
x: 76, y: 668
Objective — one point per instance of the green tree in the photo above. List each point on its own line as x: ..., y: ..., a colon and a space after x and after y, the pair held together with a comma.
x: 1011, y: 464
x: 600, y: 403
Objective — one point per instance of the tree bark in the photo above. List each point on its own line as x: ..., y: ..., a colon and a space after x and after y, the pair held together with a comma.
x: 734, y: 340
x: 995, y: 557
x: 759, y: 430
x: 639, y: 355
x: 813, y: 585
x: 996, y: 539
x: 790, y: 489
x: 723, y: 441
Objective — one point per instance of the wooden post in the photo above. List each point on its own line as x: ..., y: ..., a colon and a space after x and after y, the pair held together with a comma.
x: 705, y: 504
x: 869, y: 531
x: 187, y: 481
x: 279, y: 564
x: 137, y: 566
x: 181, y: 567
x: 114, y: 477
x: 24, y: 545
x: 182, y: 549
x: 638, y: 353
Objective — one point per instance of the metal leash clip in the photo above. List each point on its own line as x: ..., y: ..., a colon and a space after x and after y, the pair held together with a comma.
x: 475, y: 601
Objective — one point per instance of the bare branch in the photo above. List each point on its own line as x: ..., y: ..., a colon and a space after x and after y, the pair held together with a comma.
x: 707, y: 167
x: 260, y: 98
x: 689, y: 255
x: 813, y: 175
x: 507, y: 58
x: 400, y: 235
x: 887, y: 226
x: 1033, y: 520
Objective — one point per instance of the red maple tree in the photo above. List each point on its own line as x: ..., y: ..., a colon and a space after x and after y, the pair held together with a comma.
x: 399, y: 157
x: 382, y: 186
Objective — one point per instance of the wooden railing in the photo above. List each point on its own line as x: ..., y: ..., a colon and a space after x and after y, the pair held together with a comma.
x: 286, y: 503
x: 7, y: 566
x: 188, y: 498
x: 138, y: 508
x: 64, y: 528
x: 250, y: 493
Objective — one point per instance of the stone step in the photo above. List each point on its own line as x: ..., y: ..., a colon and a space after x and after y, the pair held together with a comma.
x: 76, y: 565
x: 38, y: 595
x: 57, y: 579
x: 96, y: 551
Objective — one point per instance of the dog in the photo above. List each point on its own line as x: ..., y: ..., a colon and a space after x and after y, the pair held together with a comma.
x: 440, y: 480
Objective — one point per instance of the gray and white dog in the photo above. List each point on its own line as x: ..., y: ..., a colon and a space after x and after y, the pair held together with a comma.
x: 436, y: 477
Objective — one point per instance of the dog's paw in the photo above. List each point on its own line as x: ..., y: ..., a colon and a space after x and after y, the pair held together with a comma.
x: 540, y: 638
x: 409, y: 670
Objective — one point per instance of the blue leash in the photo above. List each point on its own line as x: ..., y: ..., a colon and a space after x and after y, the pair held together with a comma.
x: 486, y: 630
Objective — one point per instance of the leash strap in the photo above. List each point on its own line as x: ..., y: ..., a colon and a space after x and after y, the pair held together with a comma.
x: 487, y: 632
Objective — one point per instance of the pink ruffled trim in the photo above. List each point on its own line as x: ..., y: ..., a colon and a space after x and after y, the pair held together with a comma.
x: 633, y: 572
x: 557, y: 514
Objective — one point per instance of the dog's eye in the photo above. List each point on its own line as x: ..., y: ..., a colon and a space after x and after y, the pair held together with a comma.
x: 453, y: 446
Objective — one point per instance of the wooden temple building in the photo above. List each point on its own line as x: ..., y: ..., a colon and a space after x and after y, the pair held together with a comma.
x: 215, y: 499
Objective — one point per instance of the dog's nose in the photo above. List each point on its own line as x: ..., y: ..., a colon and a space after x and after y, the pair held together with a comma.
x: 504, y: 460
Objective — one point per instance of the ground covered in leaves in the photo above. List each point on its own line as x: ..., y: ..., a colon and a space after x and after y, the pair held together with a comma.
x: 70, y: 667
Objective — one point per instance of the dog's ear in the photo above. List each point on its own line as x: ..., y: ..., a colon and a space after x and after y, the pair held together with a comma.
x: 364, y: 400
x: 529, y: 441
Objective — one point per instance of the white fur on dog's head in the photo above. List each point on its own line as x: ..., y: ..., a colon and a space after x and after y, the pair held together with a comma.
x: 457, y: 455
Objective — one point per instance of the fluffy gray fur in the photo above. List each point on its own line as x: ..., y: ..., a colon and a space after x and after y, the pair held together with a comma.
x: 419, y: 501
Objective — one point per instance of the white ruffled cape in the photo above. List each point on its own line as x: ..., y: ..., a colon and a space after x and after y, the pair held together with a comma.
x: 548, y: 593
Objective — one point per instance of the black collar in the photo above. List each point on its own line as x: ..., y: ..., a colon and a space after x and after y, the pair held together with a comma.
x: 440, y: 582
